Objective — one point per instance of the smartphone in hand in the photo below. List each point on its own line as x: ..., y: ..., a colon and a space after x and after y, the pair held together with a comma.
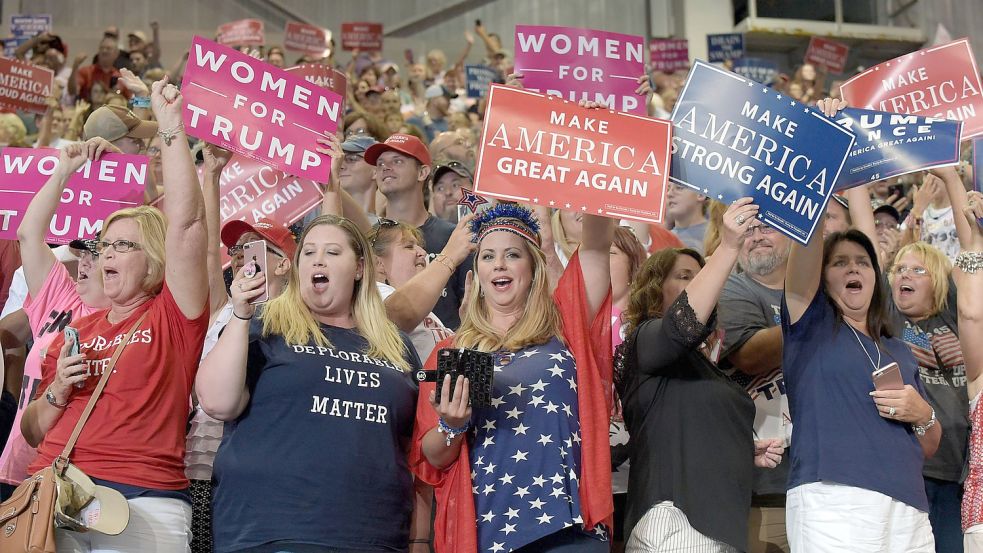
x: 254, y: 256
x: 888, y: 378
x: 73, y: 335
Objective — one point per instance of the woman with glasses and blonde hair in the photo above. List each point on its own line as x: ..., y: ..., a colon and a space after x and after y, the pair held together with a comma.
x: 134, y: 440
x: 536, y: 458
x: 318, y: 367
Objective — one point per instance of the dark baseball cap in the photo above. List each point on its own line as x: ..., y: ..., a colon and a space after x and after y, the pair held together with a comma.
x: 883, y: 207
x: 454, y: 166
x: 357, y: 144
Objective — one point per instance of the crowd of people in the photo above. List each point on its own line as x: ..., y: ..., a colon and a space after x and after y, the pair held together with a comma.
x: 704, y: 385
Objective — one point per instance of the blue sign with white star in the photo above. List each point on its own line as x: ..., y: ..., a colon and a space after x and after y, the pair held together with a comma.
x: 732, y: 138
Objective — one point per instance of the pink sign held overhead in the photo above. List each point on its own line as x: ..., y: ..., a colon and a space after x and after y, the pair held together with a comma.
x: 245, y: 32
x: 96, y: 190
x: 669, y: 54
x: 581, y: 64
x: 940, y: 81
x: 828, y: 54
x: 258, y: 110
x: 309, y: 39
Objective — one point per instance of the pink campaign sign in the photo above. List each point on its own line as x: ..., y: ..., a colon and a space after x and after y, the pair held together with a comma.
x: 114, y: 182
x: 258, y: 110
x: 581, y: 64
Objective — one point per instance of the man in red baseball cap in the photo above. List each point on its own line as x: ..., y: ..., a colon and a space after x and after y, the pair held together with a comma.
x: 402, y: 165
x: 280, y: 248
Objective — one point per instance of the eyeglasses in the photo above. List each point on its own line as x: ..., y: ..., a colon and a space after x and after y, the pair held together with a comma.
x: 386, y: 223
x: 764, y: 229
x: 884, y: 224
x: 88, y: 254
x: 119, y: 246
x: 902, y: 269
x: 236, y: 251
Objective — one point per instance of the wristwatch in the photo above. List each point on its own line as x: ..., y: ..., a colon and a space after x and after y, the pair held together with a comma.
x: 921, y: 430
x: 50, y: 396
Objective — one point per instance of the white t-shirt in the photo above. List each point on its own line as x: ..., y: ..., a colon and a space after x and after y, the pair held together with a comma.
x: 427, y: 334
x: 939, y: 230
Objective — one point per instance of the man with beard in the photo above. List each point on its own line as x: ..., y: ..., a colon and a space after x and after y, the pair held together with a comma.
x: 749, y: 314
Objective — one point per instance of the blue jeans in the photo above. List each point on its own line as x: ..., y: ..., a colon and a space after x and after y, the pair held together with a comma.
x: 945, y: 502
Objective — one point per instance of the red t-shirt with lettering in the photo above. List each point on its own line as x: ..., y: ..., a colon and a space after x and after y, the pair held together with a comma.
x: 136, y: 433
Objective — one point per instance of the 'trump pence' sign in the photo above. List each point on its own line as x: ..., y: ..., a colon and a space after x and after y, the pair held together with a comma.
x: 733, y: 137
x: 257, y: 110
x: 113, y: 182
x: 581, y: 64
x: 941, y: 81
x: 546, y: 151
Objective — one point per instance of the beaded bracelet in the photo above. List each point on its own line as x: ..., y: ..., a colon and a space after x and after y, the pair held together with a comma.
x: 969, y: 262
x: 452, y: 433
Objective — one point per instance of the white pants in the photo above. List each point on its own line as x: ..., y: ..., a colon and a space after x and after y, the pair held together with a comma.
x: 157, y: 525
x: 824, y: 517
x: 973, y: 539
x: 665, y: 529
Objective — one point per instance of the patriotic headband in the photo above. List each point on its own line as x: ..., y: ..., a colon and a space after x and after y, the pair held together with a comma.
x: 509, y: 218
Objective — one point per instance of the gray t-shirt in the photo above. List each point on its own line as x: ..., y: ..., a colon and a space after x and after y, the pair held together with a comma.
x: 692, y: 236
x: 745, y: 308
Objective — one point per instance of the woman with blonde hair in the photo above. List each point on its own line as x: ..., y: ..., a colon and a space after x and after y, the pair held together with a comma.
x: 541, y: 447
x: 318, y: 365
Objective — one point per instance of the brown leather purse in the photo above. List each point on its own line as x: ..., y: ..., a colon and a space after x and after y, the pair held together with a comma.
x: 27, y: 519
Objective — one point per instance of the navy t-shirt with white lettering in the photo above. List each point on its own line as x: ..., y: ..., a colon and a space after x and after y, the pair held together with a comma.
x: 319, y: 455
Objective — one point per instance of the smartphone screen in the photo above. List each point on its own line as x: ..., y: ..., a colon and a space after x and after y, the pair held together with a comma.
x: 888, y: 378
x: 254, y: 257
x: 73, y: 335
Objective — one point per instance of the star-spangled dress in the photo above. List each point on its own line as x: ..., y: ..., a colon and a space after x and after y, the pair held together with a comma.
x: 525, y: 455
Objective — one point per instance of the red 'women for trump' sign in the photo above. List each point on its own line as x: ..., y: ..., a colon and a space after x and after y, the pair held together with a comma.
x: 543, y: 150
x: 941, y: 81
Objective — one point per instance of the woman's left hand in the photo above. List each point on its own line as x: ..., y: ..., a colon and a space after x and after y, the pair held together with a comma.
x: 330, y: 146
x: 166, y: 101
x: 905, y: 405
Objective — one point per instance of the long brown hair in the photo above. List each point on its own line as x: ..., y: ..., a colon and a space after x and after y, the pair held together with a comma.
x: 625, y: 240
x: 877, y: 313
x: 645, y: 298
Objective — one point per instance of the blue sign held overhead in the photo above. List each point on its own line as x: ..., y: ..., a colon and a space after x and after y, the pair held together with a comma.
x: 733, y: 137
x: 723, y: 47
x: 758, y: 70
x: 892, y: 144
x: 479, y: 79
x: 26, y: 26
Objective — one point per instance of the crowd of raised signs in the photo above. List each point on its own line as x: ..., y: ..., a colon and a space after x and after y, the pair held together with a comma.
x: 715, y: 335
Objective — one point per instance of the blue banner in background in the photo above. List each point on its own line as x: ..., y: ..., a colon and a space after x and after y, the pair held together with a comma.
x: 758, y: 70
x: 892, y: 144
x: 733, y: 137
x: 723, y: 47
x: 479, y: 79
x: 26, y: 26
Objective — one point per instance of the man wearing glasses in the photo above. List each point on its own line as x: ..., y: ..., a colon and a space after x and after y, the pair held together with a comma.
x: 749, y: 314
x: 448, y: 179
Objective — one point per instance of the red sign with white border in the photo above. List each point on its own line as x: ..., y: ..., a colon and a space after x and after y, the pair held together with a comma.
x: 543, y: 150
x: 24, y: 86
x: 245, y: 32
x: 361, y: 36
x: 828, y: 54
x: 309, y: 39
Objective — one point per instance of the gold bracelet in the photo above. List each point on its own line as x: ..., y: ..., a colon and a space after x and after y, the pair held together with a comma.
x: 443, y: 260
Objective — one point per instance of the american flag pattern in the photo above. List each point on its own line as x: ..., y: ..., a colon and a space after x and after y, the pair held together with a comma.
x: 931, y: 347
x: 525, y: 458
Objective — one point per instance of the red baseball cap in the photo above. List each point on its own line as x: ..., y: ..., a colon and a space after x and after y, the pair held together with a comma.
x: 402, y: 143
x: 274, y: 233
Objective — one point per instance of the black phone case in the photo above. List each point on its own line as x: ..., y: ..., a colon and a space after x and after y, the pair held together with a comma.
x: 477, y: 366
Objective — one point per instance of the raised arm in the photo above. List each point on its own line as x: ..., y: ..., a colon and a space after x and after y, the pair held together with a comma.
x: 154, y: 54
x: 35, y: 253
x: 336, y: 200
x: 185, y: 248
x: 803, y: 275
x: 215, y: 161
x: 959, y: 200
x: 969, y: 300
x: 469, y: 42
x: 73, y: 85
x: 595, y: 259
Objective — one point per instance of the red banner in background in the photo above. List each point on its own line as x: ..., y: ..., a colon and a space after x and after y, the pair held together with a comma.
x: 309, y: 39
x: 245, y: 32
x: 828, y: 54
x: 361, y: 36
x: 542, y: 150
x: 941, y: 81
x: 24, y: 86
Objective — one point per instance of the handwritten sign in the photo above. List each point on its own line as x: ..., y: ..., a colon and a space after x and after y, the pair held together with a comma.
x: 543, y: 150
x: 257, y: 110
x: 828, y: 54
x: 24, y: 86
x: 669, y: 54
x: 581, y: 64
x: 726, y: 46
x: 941, y: 81
x: 366, y: 37
x: 733, y: 137
x: 95, y: 191
x: 892, y: 144
x: 309, y: 39
x: 245, y: 32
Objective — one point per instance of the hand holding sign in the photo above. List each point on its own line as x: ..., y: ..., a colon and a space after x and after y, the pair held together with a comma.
x: 737, y: 220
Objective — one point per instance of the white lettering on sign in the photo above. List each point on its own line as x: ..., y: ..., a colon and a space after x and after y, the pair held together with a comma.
x: 560, y: 43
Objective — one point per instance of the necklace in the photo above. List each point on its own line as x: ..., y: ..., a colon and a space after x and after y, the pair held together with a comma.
x: 871, y: 359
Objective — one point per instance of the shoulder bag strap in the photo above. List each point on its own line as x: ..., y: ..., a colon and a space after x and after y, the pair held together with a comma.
x: 98, y: 391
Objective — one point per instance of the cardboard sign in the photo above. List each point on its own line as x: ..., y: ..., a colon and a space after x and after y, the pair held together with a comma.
x: 479, y: 79
x: 245, y: 32
x: 257, y: 110
x: 24, y: 86
x: 366, y: 37
x: 758, y: 70
x: 733, y: 137
x: 309, y: 39
x: 27, y: 26
x: 581, y: 64
x: 726, y: 46
x: 324, y: 77
x: 828, y: 54
x: 10, y: 46
x: 543, y: 150
x: 892, y: 144
x: 95, y: 191
x: 941, y: 81
x: 669, y: 54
